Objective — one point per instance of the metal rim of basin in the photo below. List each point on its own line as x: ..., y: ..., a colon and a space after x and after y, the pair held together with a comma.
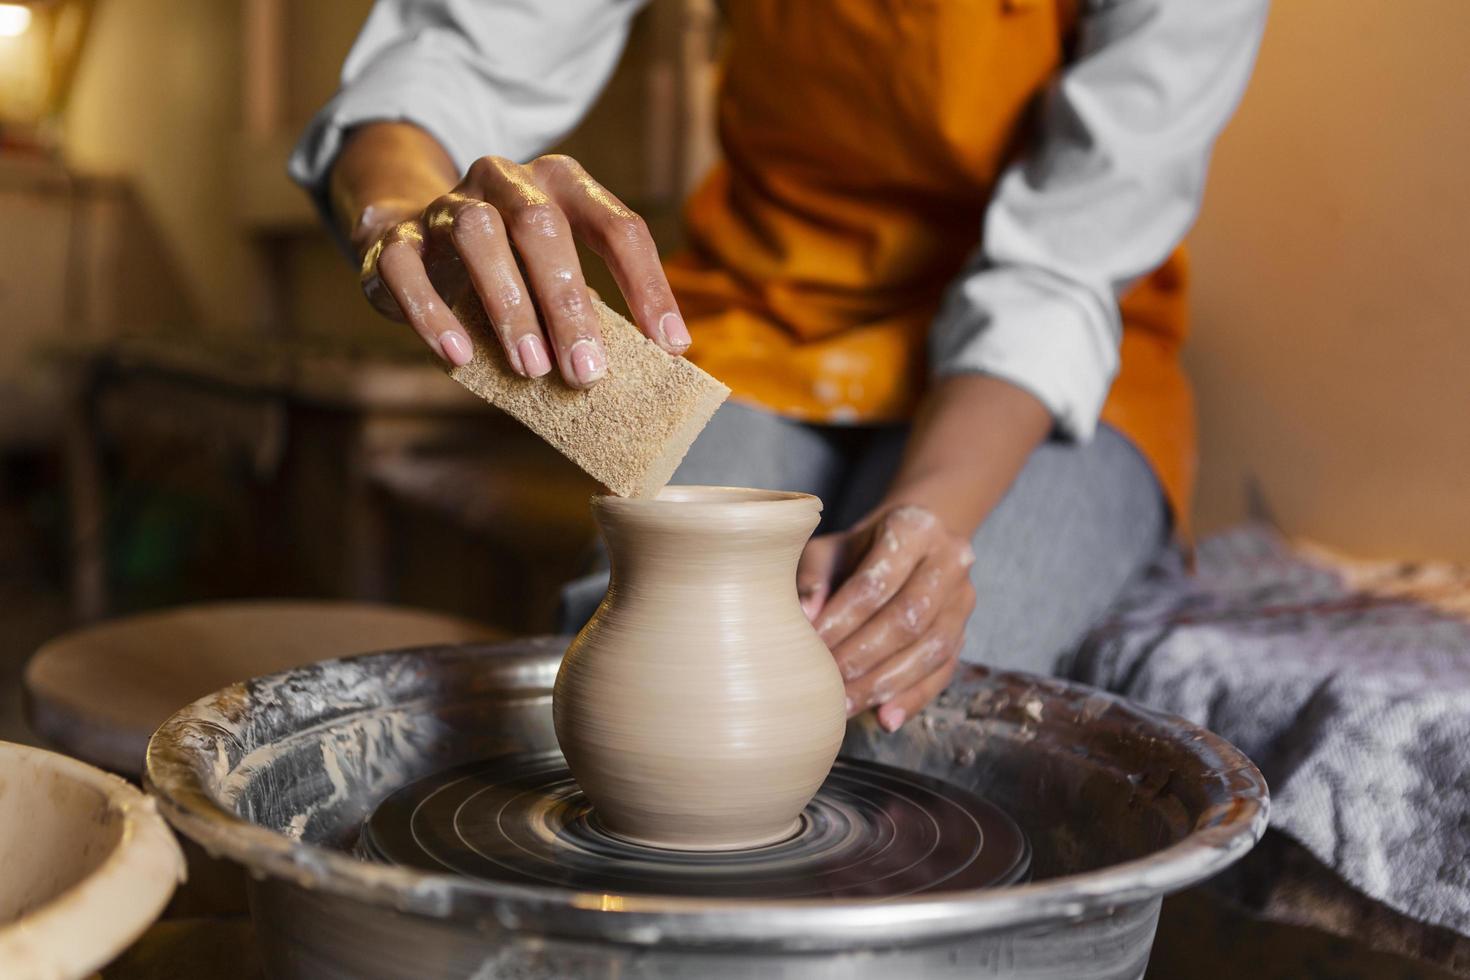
x: 1228, y: 826
x: 86, y: 925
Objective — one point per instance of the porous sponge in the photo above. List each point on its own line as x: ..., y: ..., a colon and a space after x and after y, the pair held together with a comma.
x: 628, y: 431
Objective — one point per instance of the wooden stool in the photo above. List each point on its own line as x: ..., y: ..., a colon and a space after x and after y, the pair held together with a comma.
x: 99, y: 693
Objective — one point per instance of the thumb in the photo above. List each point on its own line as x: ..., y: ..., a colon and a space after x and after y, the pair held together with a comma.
x: 816, y: 572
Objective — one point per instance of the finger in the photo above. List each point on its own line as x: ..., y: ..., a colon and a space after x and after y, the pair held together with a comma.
x: 472, y: 230
x: 816, y: 571
x: 886, y: 563
x: 892, y: 715
x: 911, y: 664
x: 621, y: 238
x: 905, y: 618
x: 400, y: 268
x: 541, y: 234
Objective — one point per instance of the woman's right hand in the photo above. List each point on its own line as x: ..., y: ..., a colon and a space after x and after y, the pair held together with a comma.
x: 507, y: 232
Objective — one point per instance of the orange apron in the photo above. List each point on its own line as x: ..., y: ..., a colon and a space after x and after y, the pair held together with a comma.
x: 863, y: 140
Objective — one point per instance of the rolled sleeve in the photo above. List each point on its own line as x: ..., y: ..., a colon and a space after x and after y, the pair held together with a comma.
x: 1112, y: 185
x: 506, y: 78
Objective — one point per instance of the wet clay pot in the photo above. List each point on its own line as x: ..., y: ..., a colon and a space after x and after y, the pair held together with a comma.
x: 86, y: 865
x: 698, y: 709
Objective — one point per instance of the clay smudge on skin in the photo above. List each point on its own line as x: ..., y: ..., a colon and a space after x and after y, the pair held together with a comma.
x: 876, y: 577
x: 925, y: 656
x: 913, y: 611
x: 413, y: 309
x: 913, y: 515
x: 872, y: 587
x: 851, y: 670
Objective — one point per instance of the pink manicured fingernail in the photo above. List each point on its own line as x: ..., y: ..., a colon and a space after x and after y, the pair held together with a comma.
x: 589, y: 363
x: 456, y: 347
x: 675, y: 333
x: 849, y: 707
x: 533, y: 356
x: 891, y: 718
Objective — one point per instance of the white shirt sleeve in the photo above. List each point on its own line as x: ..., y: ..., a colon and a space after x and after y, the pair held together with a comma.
x: 1109, y: 189
x: 502, y: 77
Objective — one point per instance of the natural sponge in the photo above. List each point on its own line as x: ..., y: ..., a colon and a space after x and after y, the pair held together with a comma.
x: 628, y: 431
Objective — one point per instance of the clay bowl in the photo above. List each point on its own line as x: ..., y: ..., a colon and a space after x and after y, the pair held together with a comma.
x: 86, y: 865
x: 1122, y: 806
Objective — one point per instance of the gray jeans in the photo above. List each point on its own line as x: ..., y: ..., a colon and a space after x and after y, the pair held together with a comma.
x: 1077, y: 525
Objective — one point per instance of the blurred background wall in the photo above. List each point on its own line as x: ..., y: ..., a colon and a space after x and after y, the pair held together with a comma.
x: 157, y: 101
x: 1332, y: 266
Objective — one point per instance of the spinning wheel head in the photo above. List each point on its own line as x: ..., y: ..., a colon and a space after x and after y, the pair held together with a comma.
x: 872, y: 831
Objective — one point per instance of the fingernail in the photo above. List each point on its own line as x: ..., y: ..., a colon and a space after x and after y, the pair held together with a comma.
x: 891, y: 718
x: 588, y: 362
x: 675, y: 333
x: 849, y: 707
x: 533, y: 356
x: 456, y: 347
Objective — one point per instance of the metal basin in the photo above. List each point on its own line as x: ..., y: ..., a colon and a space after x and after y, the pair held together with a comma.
x: 1122, y: 806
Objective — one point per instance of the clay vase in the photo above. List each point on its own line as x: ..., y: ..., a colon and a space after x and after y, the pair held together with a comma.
x: 698, y: 710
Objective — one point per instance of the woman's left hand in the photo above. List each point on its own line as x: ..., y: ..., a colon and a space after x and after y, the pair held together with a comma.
x: 890, y: 598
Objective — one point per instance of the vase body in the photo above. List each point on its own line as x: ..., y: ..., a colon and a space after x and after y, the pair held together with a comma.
x: 698, y: 709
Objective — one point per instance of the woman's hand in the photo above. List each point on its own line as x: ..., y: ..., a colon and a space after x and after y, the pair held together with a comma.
x: 896, y: 620
x: 508, y: 232
x: 891, y: 596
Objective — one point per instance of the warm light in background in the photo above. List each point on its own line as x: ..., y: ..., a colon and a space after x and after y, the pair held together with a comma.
x: 40, y: 44
x: 14, y: 19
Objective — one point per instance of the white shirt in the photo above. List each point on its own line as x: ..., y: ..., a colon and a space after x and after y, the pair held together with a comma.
x: 1111, y: 185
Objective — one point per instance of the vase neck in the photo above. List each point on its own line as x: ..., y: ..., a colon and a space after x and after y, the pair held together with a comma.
x: 745, y: 547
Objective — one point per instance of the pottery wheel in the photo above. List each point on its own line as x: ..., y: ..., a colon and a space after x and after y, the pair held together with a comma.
x: 873, y: 831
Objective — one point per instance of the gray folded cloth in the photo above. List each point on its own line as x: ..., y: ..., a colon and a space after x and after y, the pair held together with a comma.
x: 1347, y: 682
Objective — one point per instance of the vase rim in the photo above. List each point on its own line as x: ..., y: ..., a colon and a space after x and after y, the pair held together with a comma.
x: 708, y: 500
